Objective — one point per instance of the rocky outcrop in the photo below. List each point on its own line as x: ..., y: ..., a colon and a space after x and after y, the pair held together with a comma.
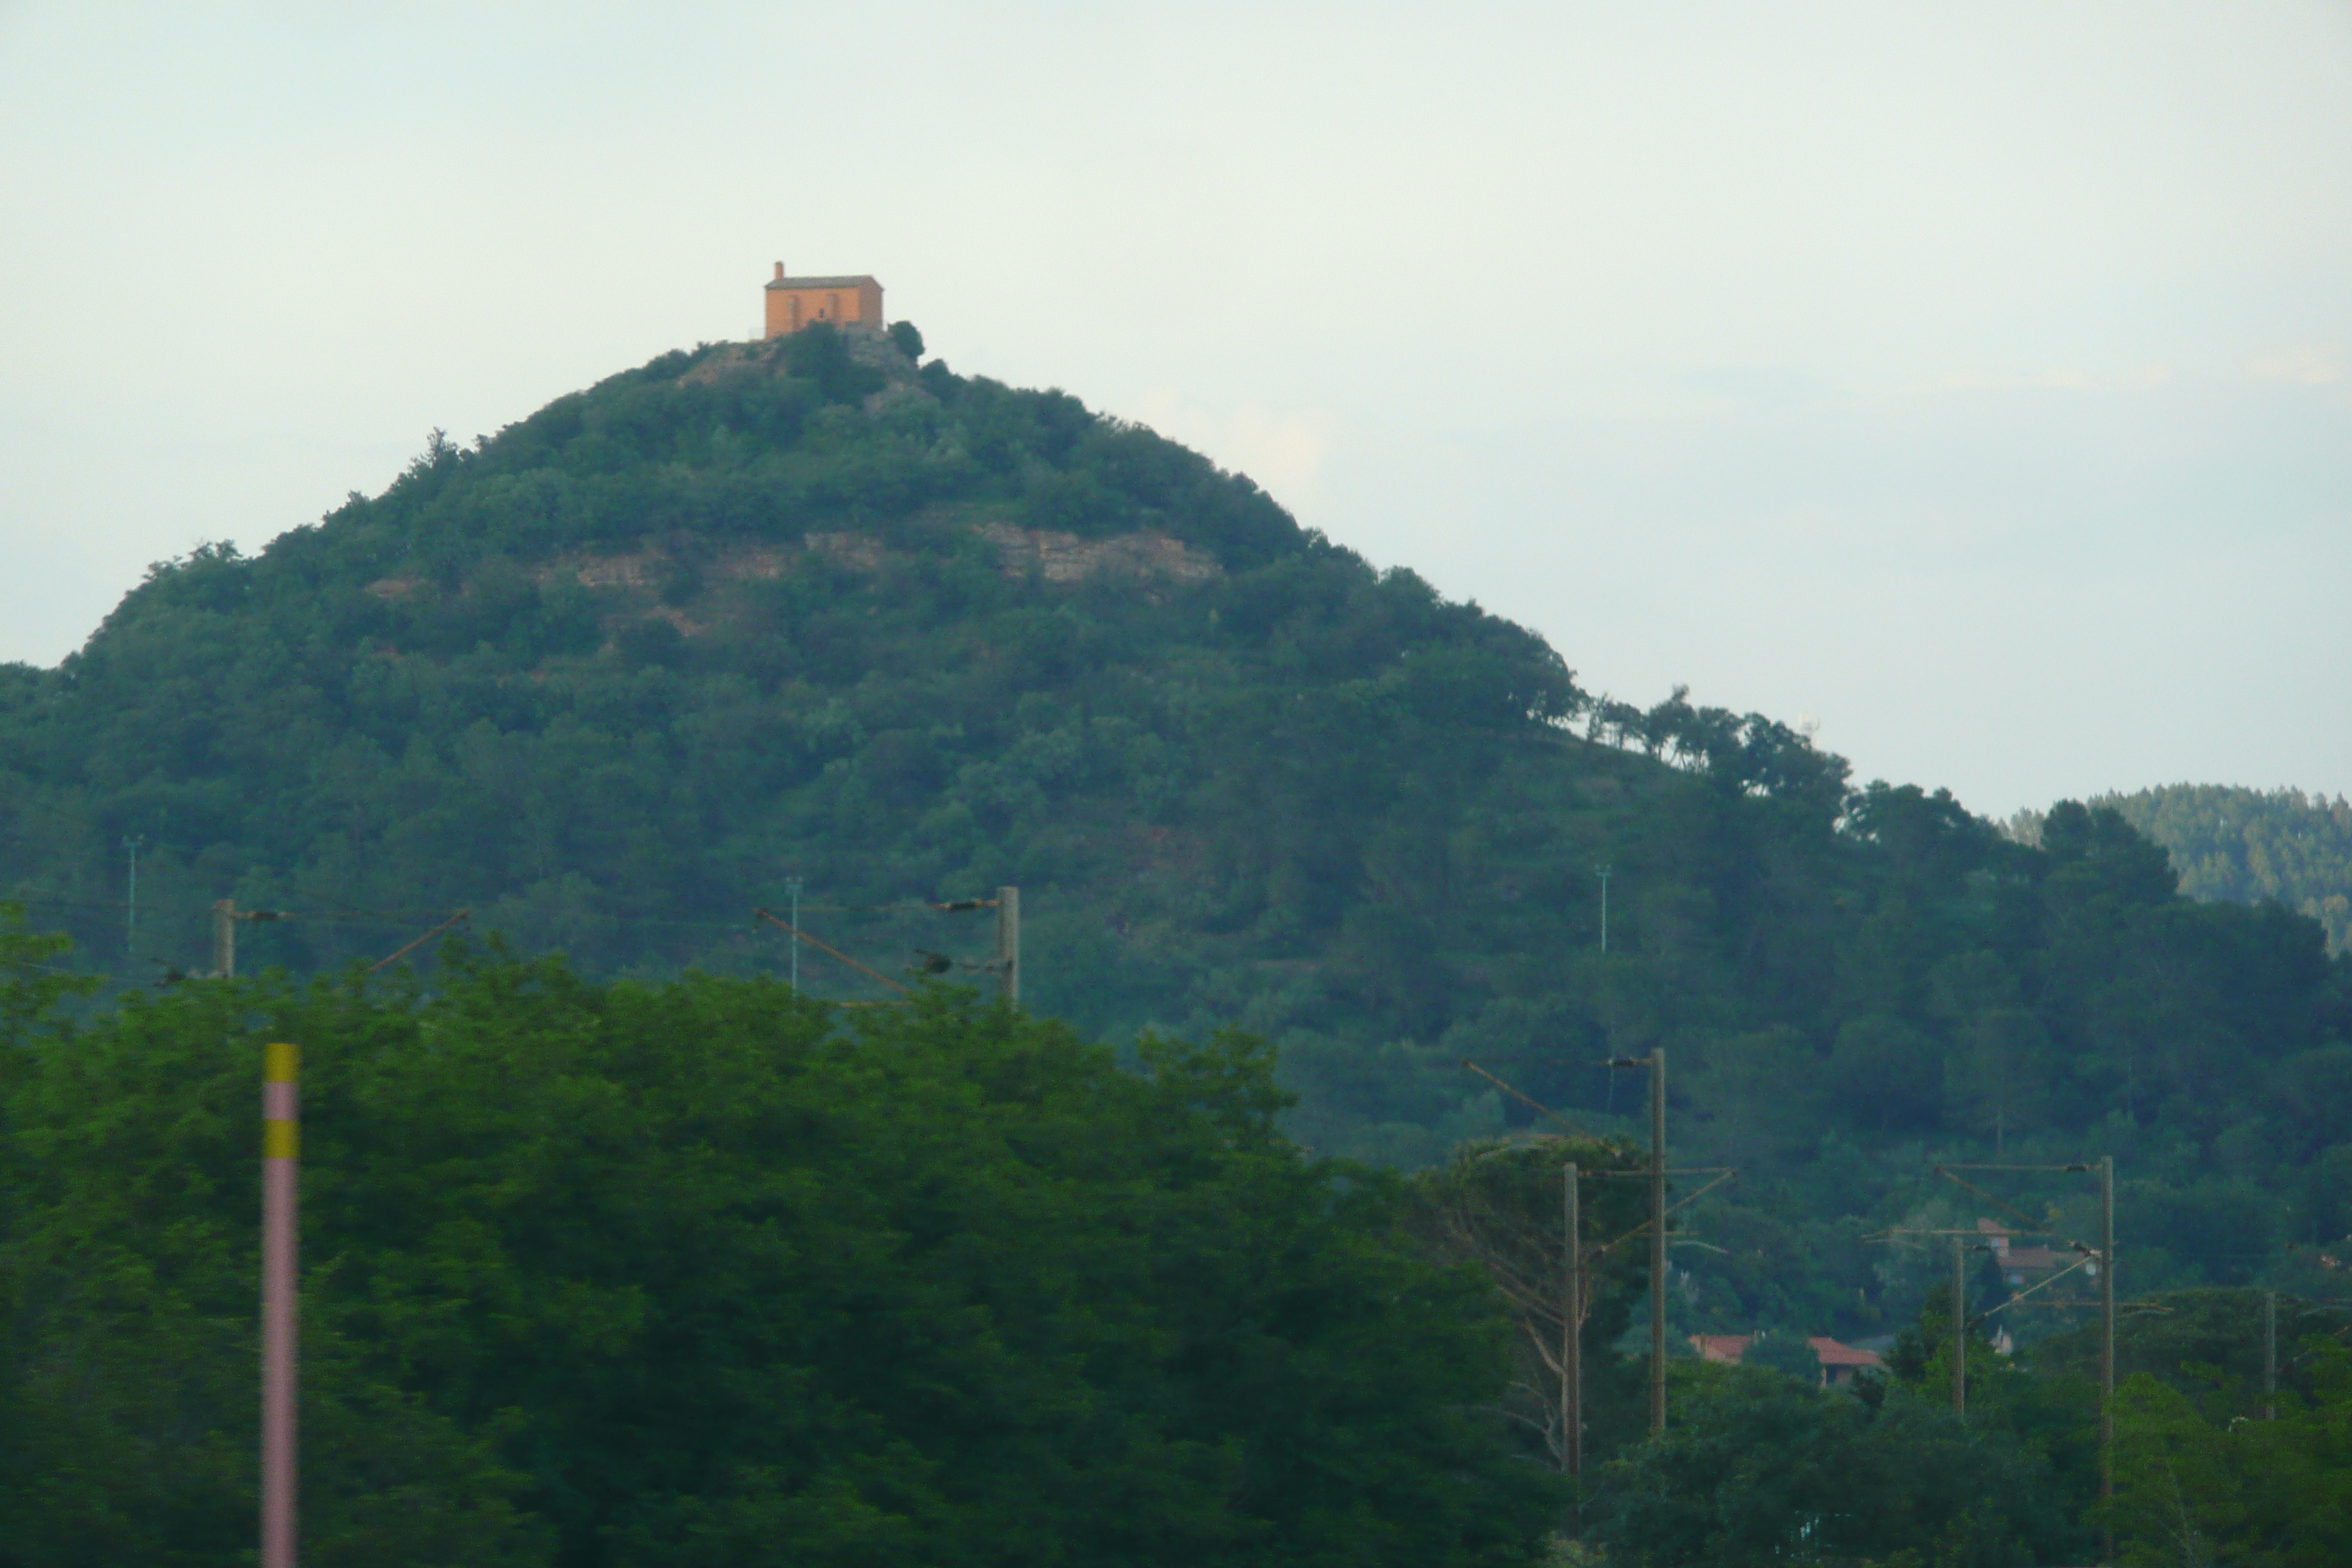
x: 1067, y: 558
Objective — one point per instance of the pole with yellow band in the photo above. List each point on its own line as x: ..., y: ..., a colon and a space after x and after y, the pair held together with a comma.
x: 280, y: 1147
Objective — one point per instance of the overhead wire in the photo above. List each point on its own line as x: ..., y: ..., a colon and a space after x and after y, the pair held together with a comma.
x: 161, y: 906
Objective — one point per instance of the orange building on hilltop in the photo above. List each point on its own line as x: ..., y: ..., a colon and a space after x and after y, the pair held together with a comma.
x: 797, y: 302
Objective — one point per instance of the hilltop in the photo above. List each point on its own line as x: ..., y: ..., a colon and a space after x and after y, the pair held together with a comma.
x: 812, y: 609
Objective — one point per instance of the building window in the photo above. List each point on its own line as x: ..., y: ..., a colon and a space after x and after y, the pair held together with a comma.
x: 833, y: 307
x: 792, y: 311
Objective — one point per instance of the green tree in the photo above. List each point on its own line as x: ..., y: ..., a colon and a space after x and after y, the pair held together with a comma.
x: 691, y: 1273
x: 1757, y: 1469
x: 1784, y: 1351
x: 2248, y: 846
x: 2190, y: 1489
x: 1996, y: 1079
x: 32, y: 980
x: 1886, y: 1072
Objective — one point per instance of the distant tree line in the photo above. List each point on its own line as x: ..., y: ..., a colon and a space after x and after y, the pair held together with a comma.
x: 2248, y: 846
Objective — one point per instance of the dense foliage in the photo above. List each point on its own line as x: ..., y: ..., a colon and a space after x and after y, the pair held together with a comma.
x: 1762, y: 1469
x: 2253, y: 845
x: 1758, y: 1468
x: 611, y: 676
x: 2252, y: 1493
x: 691, y: 1274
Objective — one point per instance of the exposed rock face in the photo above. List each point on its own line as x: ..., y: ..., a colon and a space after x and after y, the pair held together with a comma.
x: 1143, y: 558
x: 609, y: 571
x: 649, y: 568
x: 858, y: 552
x: 1067, y: 558
x: 1055, y: 557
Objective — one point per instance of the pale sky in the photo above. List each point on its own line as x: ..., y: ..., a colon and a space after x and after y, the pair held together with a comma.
x: 1973, y: 380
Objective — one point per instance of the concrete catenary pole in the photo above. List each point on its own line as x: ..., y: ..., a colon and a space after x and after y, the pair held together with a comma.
x: 1658, y: 1240
x: 1008, y: 943
x: 2270, y: 1355
x: 225, y: 938
x: 130, y: 916
x: 280, y: 1154
x: 1571, y: 1338
x: 1960, y: 1328
x: 2107, y: 1327
x: 793, y: 886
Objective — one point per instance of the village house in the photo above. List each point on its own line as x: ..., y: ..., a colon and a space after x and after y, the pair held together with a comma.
x: 797, y: 302
x: 2024, y: 1266
x: 1840, y: 1362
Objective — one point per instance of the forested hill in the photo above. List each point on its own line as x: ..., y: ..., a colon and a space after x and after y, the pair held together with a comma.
x: 612, y: 677
x: 2251, y: 846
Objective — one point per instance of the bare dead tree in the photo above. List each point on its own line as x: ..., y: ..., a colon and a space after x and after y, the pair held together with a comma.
x: 1498, y: 1208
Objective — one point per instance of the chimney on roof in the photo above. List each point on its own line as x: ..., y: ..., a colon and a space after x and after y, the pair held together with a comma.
x: 780, y: 272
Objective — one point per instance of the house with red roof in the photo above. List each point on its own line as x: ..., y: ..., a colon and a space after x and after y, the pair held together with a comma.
x: 2022, y: 1266
x: 1840, y: 1362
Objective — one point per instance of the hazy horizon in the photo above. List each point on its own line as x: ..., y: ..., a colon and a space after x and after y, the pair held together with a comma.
x: 1971, y: 384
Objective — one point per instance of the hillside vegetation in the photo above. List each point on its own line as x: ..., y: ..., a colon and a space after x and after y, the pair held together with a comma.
x: 2253, y: 845
x: 611, y: 676
x: 685, y: 1276
x: 701, y: 1272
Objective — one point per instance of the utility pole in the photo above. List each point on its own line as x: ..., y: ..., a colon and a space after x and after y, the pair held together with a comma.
x: 1602, y: 872
x: 1657, y: 1229
x: 793, y: 886
x: 225, y: 938
x: 1008, y: 943
x: 1571, y: 1334
x: 1959, y: 1330
x: 2105, y: 1254
x: 2270, y: 1355
x: 1657, y: 1226
x: 281, y: 1154
x: 2107, y: 1334
x: 1657, y: 1240
x: 131, y: 921
x: 1963, y: 1245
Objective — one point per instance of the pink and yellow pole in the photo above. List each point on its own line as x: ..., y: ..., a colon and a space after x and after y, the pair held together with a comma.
x: 281, y: 1151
